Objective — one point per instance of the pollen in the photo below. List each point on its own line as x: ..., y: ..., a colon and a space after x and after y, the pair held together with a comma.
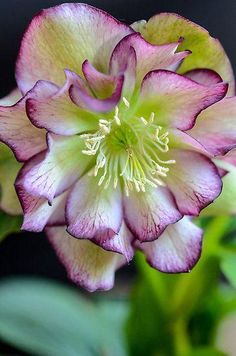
x: 129, y: 150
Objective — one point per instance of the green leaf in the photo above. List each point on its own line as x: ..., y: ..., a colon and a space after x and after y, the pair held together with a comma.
x: 206, y: 351
x: 228, y: 267
x: 9, y: 224
x: 46, y: 318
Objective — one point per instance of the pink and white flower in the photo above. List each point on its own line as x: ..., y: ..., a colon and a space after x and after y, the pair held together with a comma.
x: 117, y: 131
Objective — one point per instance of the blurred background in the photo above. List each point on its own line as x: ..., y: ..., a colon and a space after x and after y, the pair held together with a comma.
x: 27, y: 254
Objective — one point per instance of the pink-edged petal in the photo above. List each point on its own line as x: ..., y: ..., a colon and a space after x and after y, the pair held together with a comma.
x: 63, y: 37
x: 148, y: 56
x: 12, y: 98
x: 204, y: 76
x: 125, y: 62
x: 92, y: 211
x: 16, y: 130
x: 89, y: 102
x: 182, y: 140
x: 176, y: 100
x: 9, y: 169
x: 101, y: 84
x: 147, y: 214
x: 177, y: 250
x: 49, y: 175
x: 58, y: 114
x: 207, y: 52
x: 87, y: 264
x: 215, y: 128
x: 120, y: 243
x: 194, y: 181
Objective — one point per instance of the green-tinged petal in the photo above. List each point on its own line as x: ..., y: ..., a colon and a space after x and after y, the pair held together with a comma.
x: 11, y: 98
x: 225, y: 204
x: 87, y: 264
x: 9, y: 169
x: 64, y: 37
x: 207, y: 51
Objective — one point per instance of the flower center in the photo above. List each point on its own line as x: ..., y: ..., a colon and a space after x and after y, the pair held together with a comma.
x: 131, y: 150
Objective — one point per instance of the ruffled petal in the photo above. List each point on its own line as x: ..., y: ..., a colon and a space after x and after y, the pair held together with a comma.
x: 52, y: 173
x: 177, y: 249
x: 89, y: 102
x: 215, y: 128
x: 204, y: 76
x: 182, y: 140
x: 176, y: 100
x: 148, y: 214
x: 148, y: 56
x: 92, y: 211
x: 58, y: 114
x: 16, y: 130
x: 207, y: 51
x: 9, y: 169
x: 87, y: 264
x: 101, y: 84
x: 63, y: 37
x: 120, y: 243
x: 194, y: 181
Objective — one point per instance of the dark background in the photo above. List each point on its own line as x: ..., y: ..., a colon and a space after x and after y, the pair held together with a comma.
x: 31, y: 254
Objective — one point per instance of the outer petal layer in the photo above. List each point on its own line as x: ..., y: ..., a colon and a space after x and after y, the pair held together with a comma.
x: 176, y: 100
x: 147, y: 214
x: 17, y: 131
x: 207, y: 51
x: 215, y: 128
x: 87, y: 264
x: 177, y: 249
x: 63, y: 37
x: 194, y: 181
x: 9, y: 169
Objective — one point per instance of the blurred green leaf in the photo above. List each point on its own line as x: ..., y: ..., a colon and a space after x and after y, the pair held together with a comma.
x: 206, y: 351
x: 50, y: 319
x: 228, y: 267
x: 9, y: 224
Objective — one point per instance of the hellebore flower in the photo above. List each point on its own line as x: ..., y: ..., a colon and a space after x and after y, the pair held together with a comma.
x: 117, y: 146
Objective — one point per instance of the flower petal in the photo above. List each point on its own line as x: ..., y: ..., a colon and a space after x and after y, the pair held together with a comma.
x: 177, y: 249
x: 148, y: 56
x: 120, y: 243
x: 176, y: 100
x: 204, y: 76
x: 63, y: 37
x: 87, y: 264
x: 194, y: 181
x: 225, y: 203
x: 91, y: 103
x: 12, y: 98
x: 92, y: 211
x: 49, y: 176
x: 58, y: 114
x: 9, y: 169
x: 147, y: 214
x: 102, y: 85
x: 182, y: 140
x: 207, y: 51
x: 215, y: 128
x: 16, y: 130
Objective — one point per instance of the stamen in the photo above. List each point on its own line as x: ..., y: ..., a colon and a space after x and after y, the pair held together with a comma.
x: 126, y: 102
x: 137, y: 160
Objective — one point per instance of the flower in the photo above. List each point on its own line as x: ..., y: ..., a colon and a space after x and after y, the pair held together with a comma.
x: 117, y: 131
